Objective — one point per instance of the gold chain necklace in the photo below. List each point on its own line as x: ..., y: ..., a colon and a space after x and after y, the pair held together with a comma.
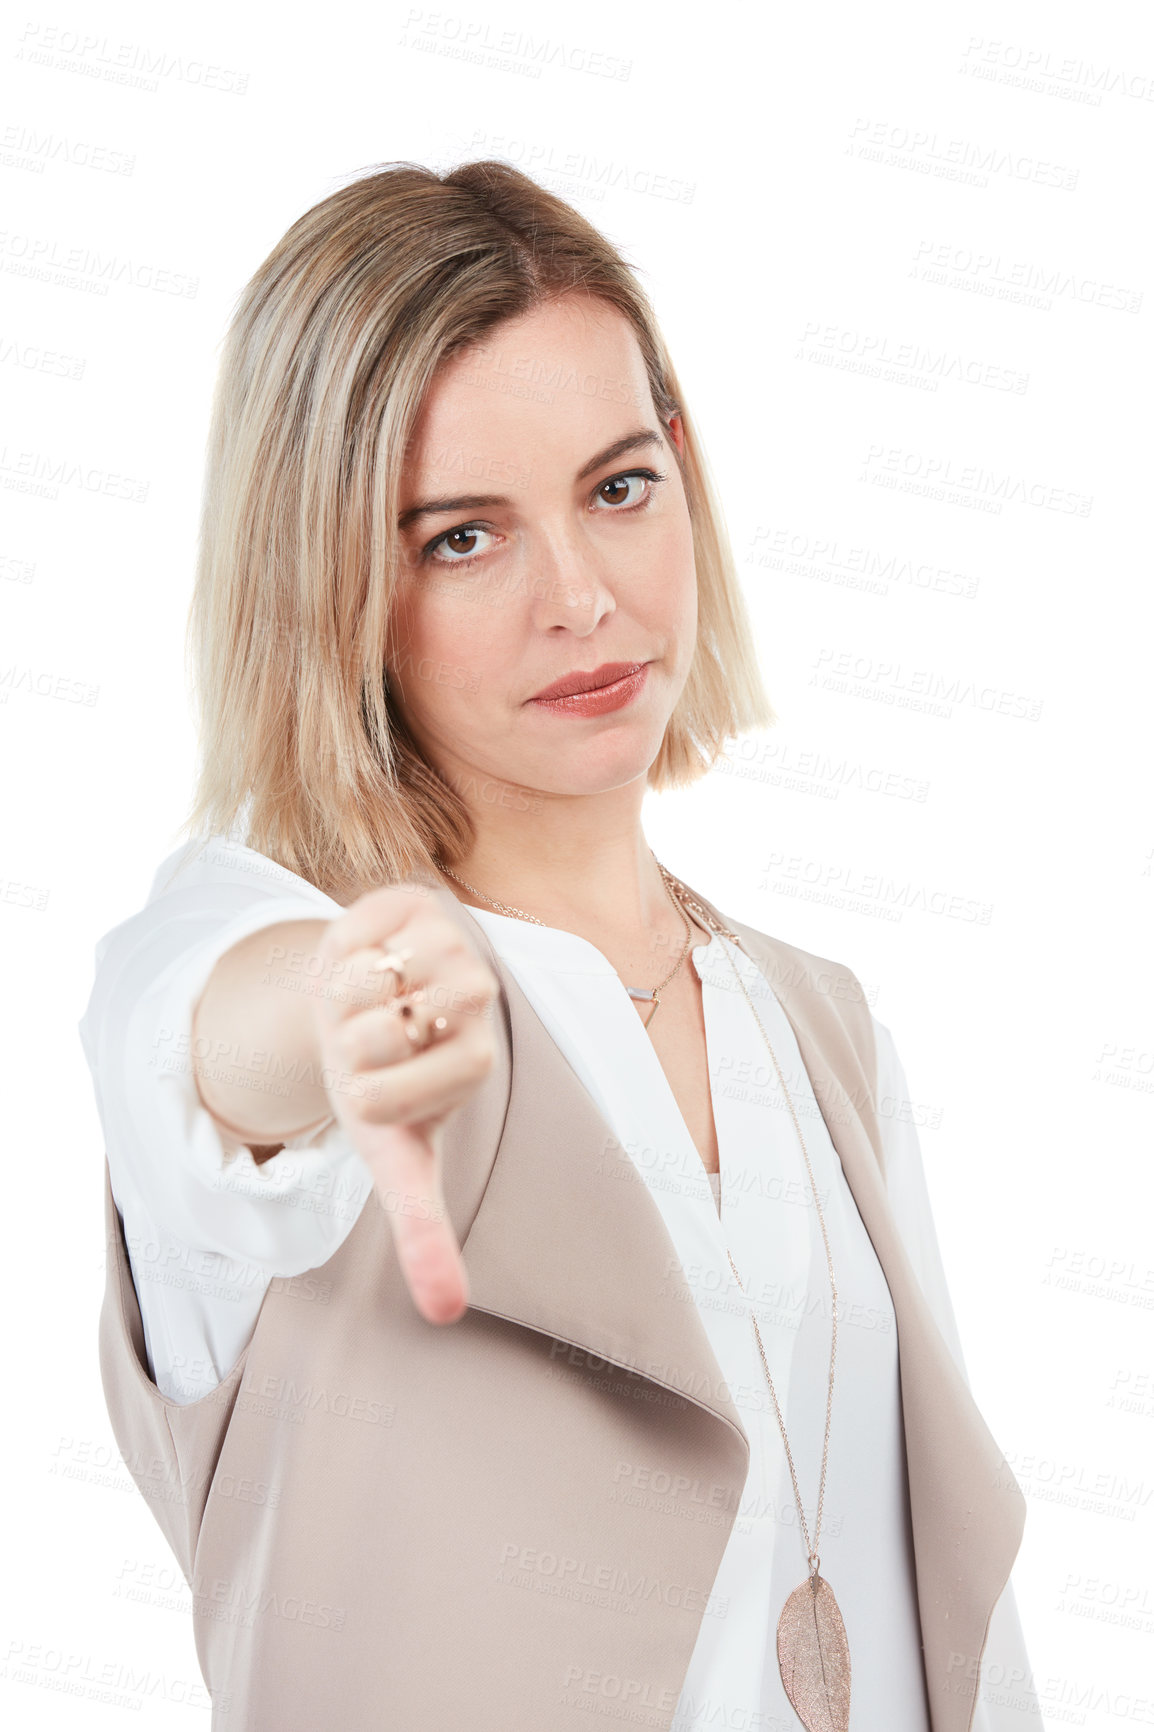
x: 645, y: 995
x: 812, y: 1647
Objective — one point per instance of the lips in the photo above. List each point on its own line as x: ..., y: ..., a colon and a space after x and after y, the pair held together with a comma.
x: 597, y: 700
x: 606, y: 675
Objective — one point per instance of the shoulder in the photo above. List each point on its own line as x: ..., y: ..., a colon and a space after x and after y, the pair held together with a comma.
x: 827, y: 1007
x: 825, y: 993
x: 823, y: 978
x: 218, y: 863
x: 816, y: 978
x: 206, y: 895
x: 786, y: 964
x: 212, y: 877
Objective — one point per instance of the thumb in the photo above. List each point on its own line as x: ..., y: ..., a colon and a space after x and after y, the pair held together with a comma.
x: 405, y: 1161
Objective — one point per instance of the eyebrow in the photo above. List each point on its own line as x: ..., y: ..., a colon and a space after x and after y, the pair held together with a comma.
x: 644, y: 436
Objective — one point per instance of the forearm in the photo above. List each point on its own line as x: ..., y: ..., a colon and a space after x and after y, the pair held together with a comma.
x: 255, y: 1053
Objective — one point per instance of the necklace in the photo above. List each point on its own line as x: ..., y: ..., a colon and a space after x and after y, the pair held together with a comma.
x: 646, y: 995
x: 812, y: 1647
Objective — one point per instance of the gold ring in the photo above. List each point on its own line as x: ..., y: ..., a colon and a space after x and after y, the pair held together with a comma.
x: 412, y: 1028
x: 392, y: 960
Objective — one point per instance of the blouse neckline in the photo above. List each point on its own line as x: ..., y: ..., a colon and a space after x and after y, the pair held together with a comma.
x: 564, y: 952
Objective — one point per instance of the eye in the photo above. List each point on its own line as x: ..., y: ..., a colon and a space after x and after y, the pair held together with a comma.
x: 621, y: 501
x: 459, y: 545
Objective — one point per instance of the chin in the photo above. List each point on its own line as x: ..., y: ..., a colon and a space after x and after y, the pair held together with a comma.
x: 598, y: 769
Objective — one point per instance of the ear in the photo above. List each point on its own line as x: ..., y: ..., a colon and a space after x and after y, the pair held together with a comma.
x: 676, y: 430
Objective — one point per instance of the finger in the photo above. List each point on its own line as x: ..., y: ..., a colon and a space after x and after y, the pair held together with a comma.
x: 405, y: 1174
x: 357, y: 981
x: 379, y: 917
x: 454, y: 977
x: 389, y: 1033
x: 432, y: 1082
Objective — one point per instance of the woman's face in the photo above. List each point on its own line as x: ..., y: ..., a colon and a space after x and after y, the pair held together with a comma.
x: 540, y: 543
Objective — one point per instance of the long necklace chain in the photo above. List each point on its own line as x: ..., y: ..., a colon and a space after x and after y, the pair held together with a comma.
x: 676, y: 888
x: 682, y: 900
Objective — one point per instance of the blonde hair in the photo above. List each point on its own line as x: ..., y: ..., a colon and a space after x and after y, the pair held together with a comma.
x: 328, y: 356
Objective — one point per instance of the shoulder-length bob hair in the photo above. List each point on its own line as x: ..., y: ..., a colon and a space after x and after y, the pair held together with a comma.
x: 324, y: 368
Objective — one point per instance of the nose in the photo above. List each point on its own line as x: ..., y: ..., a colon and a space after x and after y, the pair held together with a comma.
x: 568, y: 586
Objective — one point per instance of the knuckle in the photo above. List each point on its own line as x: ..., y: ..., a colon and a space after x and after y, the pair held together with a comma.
x: 386, y: 907
x: 394, y: 1102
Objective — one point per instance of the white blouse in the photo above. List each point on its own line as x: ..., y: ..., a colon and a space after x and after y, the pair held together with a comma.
x: 208, y: 1230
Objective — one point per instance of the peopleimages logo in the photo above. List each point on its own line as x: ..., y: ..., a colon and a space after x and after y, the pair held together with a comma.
x: 939, y: 475
x: 870, y: 893
x: 960, y: 159
x: 509, y: 50
x: 1022, y: 280
x: 878, y: 355
x: 894, y: 682
x: 1040, y: 69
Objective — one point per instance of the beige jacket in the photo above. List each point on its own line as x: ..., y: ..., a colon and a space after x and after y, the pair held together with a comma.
x: 386, y: 1523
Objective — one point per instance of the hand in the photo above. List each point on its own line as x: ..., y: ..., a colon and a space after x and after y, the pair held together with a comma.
x: 392, y: 1097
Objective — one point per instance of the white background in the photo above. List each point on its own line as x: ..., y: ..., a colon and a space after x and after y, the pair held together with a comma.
x: 860, y: 228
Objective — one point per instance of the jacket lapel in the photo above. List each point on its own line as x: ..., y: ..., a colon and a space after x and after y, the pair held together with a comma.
x: 560, y: 1234
x: 967, y: 1510
x: 566, y: 1237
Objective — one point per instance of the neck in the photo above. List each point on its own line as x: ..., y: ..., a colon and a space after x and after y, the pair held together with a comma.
x: 582, y: 865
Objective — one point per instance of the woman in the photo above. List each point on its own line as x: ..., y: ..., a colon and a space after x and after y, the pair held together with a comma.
x: 452, y: 1386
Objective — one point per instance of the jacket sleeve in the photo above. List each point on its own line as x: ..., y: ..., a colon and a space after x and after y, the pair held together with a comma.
x: 1006, y: 1697
x: 172, y: 1166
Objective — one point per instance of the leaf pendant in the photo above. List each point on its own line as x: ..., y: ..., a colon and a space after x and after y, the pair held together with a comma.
x: 813, y: 1654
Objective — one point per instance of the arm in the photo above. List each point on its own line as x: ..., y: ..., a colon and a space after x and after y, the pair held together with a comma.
x: 255, y: 1053
x: 321, y: 1021
x: 388, y: 1103
x: 207, y: 1225
x: 174, y: 1168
